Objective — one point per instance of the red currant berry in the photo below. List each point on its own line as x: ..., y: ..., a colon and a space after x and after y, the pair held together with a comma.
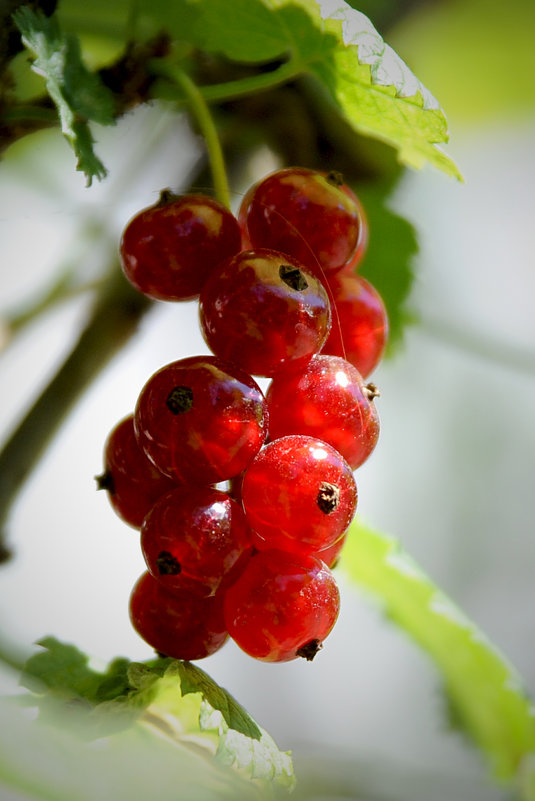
x: 307, y: 214
x: 192, y: 537
x: 360, y: 324
x: 299, y: 495
x: 168, y: 250
x: 181, y: 627
x: 282, y: 606
x: 329, y: 400
x: 132, y: 481
x: 262, y: 311
x: 201, y: 420
x: 331, y: 554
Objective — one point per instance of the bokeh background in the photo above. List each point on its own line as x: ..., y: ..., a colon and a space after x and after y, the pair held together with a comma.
x: 452, y: 477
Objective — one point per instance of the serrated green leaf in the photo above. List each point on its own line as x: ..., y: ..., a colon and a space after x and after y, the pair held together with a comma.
x: 63, y: 669
x: 193, y: 679
x: 78, y: 94
x: 368, y: 82
x: 257, y: 758
x: 485, y: 690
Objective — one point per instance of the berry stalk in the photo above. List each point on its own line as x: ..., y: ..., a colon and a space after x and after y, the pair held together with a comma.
x: 201, y: 112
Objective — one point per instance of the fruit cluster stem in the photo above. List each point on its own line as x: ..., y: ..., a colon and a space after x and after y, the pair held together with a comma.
x: 115, y: 316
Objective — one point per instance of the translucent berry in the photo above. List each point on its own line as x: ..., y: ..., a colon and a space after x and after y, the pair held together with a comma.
x: 192, y: 537
x: 360, y: 325
x: 328, y: 399
x: 262, y: 311
x: 201, y: 420
x: 181, y: 627
x: 169, y: 250
x: 299, y: 495
x: 282, y: 606
x: 306, y: 214
x: 132, y: 481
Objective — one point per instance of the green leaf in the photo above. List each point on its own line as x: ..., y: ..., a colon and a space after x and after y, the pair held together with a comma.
x: 41, y: 761
x: 78, y: 94
x: 193, y: 679
x: 484, y: 689
x: 367, y: 81
x: 169, y: 696
x: 62, y: 669
x: 388, y: 260
x: 257, y: 758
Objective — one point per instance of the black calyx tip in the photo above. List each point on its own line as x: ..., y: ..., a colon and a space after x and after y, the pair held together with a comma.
x: 167, y: 564
x: 105, y: 482
x: 293, y: 277
x: 167, y: 196
x: 309, y: 650
x: 180, y: 400
x: 371, y: 391
x: 335, y: 178
x: 328, y: 497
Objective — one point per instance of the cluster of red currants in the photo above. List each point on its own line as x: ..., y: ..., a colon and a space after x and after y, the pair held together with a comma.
x: 279, y: 298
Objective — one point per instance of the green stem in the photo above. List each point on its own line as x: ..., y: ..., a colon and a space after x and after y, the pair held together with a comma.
x: 506, y: 355
x: 20, y: 113
x: 202, y: 114
x: 60, y: 291
x: 232, y: 90
x: 114, y: 319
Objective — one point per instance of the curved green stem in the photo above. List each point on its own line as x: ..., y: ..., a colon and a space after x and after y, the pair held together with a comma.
x: 232, y: 90
x: 202, y: 114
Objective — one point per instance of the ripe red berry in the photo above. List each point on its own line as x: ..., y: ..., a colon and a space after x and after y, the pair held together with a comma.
x: 299, y: 495
x: 282, y: 606
x: 181, y: 627
x: 201, y: 420
x: 360, y: 325
x: 262, y: 311
x: 309, y: 215
x: 329, y: 400
x: 169, y: 250
x: 132, y: 481
x: 192, y: 537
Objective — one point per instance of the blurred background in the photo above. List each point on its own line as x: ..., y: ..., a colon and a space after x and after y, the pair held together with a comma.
x: 452, y: 476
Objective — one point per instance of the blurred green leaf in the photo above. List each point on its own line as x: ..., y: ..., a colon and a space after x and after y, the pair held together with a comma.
x: 484, y: 689
x: 78, y: 94
x: 478, y: 55
x: 169, y: 696
x: 388, y: 260
x: 53, y: 761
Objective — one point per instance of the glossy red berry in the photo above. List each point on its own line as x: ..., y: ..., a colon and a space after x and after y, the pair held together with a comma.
x: 263, y: 311
x: 331, y: 555
x: 201, y: 420
x: 181, y: 627
x: 306, y: 214
x: 169, y: 250
x: 282, y: 606
x: 328, y: 399
x: 132, y: 481
x: 360, y: 325
x: 299, y: 495
x: 192, y: 537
